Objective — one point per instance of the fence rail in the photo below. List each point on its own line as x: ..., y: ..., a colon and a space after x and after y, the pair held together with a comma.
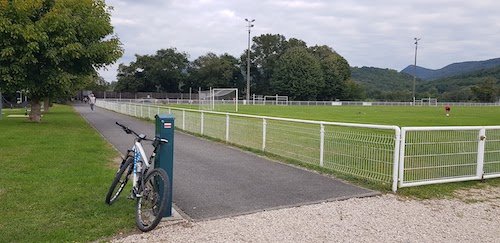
x: 431, y: 155
x: 397, y: 157
x: 185, y: 100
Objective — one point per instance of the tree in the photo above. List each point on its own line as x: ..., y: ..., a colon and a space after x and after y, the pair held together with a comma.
x: 164, y: 71
x: 265, y: 52
x: 95, y: 82
x: 47, y: 45
x: 298, y: 75
x: 486, y: 91
x: 354, y: 91
x: 336, y: 72
x: 294, y: 42
x: 214, y: 71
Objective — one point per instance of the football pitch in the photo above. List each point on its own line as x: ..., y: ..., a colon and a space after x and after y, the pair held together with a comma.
x: 381, y: 115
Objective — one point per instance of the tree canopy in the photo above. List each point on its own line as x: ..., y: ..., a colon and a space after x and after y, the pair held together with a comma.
x: 164, y: 71
x: 211, y: 70
x: 46, y: 46
x: 298, y: 75
x: 324, y: 74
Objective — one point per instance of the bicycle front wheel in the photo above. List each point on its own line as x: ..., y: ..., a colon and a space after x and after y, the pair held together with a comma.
x: 120, y: 180
x: 152, y: 203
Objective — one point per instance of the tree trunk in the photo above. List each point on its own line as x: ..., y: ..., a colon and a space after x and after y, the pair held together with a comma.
x: 46, y: 105
x: 35, y: 113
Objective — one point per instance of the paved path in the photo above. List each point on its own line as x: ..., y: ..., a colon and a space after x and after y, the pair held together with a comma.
x: 212, y: 180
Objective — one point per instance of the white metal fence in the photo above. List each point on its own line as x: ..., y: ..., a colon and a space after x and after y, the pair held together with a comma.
x: 396, y: 157
x: 431, y: 155
x: 361, y: 150
x: 308, y: 103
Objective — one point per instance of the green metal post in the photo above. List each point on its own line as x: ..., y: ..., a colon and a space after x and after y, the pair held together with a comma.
x: 165, y: 157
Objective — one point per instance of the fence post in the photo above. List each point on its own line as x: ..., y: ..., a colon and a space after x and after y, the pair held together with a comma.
x: 395, y: 167
x: 183, y: 120
x: 227, y: 127
x: 201, y: 122
x: 321, y: 143
x: 264, y: 132
x: 480, y: 153
x: 401, y: 161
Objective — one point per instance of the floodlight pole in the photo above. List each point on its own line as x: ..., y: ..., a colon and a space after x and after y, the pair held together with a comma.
x: 415, y: 68
x: 250, y: 25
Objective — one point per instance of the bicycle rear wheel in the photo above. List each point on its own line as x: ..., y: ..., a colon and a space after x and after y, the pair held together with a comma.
x: 120, y: 180
x: 151, y: 205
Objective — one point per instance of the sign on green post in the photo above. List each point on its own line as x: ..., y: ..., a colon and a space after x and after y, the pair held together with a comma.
x: 165, y: 157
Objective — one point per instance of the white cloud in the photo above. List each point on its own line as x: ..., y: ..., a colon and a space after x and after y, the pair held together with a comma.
x: 365, y: 32
x: 122, y: 22
x: 299, y: 4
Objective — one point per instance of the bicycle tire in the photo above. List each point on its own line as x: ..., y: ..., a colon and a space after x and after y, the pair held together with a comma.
x: 147, y: 218
x: 119, y: 180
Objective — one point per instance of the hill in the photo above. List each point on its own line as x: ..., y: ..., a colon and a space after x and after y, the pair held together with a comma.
x: 465, y: 87
x: 451, y: 70
x: 383, y: 84
x: 391, y: 85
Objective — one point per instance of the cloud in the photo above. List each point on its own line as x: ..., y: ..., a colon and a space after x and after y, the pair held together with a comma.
x: 299, y: 4
x: 367, y: 33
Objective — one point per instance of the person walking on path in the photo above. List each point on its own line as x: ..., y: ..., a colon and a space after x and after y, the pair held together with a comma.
x: 91, y: 101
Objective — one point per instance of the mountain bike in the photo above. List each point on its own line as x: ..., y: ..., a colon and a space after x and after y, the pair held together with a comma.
x: 150, y: 186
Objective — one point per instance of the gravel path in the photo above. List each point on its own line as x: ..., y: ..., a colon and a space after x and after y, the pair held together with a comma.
x: 473, y: 216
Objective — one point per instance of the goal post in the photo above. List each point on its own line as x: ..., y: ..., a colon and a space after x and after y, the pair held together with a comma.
x: 428, y: 102
x: 276, y: 99
x: 222, y: 99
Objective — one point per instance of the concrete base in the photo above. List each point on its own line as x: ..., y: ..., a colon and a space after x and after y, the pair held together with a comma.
x: 176, y: 218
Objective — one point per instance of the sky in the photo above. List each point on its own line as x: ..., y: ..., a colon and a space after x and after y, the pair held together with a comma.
x: 373, y: 33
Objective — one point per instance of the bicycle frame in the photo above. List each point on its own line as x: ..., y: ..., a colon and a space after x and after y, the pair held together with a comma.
x: 138, y: 155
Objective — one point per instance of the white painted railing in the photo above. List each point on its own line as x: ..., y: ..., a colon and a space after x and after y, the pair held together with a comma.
x: 431, y: 155
x: 309, y: 103
x: 404, y: 157
x: 361, y: 150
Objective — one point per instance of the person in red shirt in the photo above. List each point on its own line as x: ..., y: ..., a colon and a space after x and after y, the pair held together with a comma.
x: 447, y: 108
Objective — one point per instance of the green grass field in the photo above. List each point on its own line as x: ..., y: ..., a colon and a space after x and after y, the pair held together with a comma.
x: 383, y: 115
x: 362, y: 153
x: 54, y: 179
x: 55, y: 174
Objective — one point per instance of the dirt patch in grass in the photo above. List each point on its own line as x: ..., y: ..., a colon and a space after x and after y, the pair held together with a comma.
x: 471, y: 195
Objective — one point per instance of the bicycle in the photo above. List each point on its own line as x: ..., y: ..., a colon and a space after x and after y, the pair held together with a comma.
x: 150, y: 187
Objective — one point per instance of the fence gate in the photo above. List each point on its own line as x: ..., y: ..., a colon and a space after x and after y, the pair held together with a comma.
x: 431, y: 155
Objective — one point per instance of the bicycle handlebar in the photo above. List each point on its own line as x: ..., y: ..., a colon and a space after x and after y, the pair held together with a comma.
x: 127, y: 130
x: 155, y: 141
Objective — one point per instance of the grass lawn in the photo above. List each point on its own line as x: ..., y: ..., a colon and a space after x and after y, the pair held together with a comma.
x: 382, y: 115
x: 54, y: 179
